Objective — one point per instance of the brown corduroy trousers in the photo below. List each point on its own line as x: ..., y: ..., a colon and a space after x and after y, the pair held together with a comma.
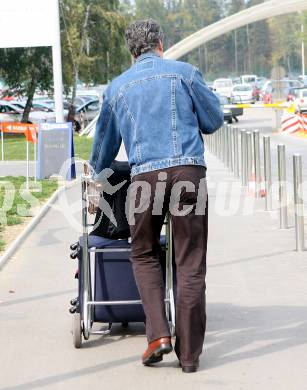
x: 181, y: 190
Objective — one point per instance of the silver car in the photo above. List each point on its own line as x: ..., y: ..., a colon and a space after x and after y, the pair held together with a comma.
x: 300, y: 101
x: 10, y: 112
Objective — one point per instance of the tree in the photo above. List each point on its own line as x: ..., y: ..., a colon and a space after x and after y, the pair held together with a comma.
x: 285, y: 32
x: 93, y: 50
x: 25, y: 70
x: 92, y: 41
x: 260, y: 44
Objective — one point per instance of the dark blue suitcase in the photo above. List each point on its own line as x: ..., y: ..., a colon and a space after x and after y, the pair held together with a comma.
x: 107, y: 291
x: 113, y: 280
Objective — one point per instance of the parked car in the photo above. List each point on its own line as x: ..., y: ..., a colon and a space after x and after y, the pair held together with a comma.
x: 84, y: 114
x: 8, y: 113
x: 223, y: 87
x: 285, y: 86
x: 49, y: 104
x: 230, y: 112
x: 300, y: 101
x: 291, y: 95
x: 226, y: 110
x: 260, y: 81
x: 236, y: 80
x: 11, y: 113
x: 258, y: 87
x: 303, y: 80
x: 36, y: 106
x: 243, y: 93
x: 236, y: 111
x: 249, y: 79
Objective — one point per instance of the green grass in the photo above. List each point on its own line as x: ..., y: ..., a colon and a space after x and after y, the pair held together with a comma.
x: 21, y: 203
x: 42, y: 190
x: 15, y: 147
x: 2, y: 243
x: 83, y: 147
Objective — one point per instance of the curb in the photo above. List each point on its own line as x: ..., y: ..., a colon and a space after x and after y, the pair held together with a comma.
x: 23, y: 235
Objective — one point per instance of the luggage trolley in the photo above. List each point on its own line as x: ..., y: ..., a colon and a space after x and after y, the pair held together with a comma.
x: 101, y: 263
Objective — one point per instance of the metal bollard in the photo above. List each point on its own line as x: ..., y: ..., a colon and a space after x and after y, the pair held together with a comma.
x: 236, y: 168
x: 267, y: 172
x: 222, y: 142
x: 213, y: 143
x: 227, y: 145
x: 282, y: 178
x: 257, y: 168
x: 249, y: 155
x: 243, y: 158
x: 216, y: 142
x: 206, y: 141
x: 298, y: 202
x: 231, y: 149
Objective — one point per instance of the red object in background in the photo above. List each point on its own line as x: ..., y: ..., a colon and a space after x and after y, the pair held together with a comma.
x: 29, y: 130
x: 8, y: 98
x: 31, y: 134
x: 290, y: 98
x: 267, y: 98
x: 256, y: 92
x: 12, y: 127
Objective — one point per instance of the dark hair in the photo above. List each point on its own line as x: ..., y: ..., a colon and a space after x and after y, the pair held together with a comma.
x: 143, y: 36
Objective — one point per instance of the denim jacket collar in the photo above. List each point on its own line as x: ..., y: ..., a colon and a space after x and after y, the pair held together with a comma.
x: 149, y: 54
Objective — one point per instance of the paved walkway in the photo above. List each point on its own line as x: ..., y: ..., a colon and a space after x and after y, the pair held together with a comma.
x: 16, y: 168
x: 19, y: 168
x: 257, y: 317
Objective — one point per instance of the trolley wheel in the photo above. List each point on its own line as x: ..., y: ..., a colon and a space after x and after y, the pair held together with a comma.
x: 77, y: 331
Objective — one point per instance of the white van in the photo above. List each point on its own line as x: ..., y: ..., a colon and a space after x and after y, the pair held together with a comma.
x: 249, y: 79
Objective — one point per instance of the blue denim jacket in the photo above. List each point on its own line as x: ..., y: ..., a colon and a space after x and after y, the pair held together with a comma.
x: 159, y: 108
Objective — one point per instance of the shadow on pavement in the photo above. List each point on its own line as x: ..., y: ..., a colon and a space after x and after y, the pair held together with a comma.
x: 241, y: 332
x: 261, y: 256
x: 118, y: 333
x: 36, y: 298
x: 52, y: 380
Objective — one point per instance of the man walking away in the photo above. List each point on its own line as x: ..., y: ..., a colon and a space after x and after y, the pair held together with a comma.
x: 161, y: 108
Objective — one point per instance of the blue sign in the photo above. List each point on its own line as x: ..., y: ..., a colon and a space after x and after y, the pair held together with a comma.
x: 56, y: 151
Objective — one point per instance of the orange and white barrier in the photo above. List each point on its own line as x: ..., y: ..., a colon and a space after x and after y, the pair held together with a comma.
x: 292, y: 123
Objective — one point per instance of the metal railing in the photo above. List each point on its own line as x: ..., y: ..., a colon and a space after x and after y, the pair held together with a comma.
x: 240, y: 152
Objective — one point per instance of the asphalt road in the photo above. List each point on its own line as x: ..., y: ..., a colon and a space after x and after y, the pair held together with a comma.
x: 256, y: 303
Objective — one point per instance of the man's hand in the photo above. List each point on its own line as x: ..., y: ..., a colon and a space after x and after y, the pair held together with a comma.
x: 93, y: 191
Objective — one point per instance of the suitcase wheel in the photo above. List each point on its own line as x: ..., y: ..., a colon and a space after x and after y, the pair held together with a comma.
x: 77, y: 330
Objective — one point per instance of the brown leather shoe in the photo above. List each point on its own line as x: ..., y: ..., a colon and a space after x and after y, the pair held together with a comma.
x: 156, y: 349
